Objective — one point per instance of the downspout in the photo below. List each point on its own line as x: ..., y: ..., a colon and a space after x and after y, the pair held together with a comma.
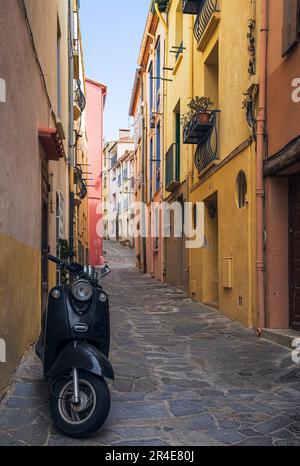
x: 261, y: 131
x: 71, y: 126
x: 163, y: 240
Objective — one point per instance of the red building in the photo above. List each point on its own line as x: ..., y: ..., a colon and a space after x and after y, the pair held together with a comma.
x: 96, y: 96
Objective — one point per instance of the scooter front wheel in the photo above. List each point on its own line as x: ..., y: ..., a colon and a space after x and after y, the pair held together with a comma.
x: 85, y: 418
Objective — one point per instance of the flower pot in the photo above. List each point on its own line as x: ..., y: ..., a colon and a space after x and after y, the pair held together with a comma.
x: 204, y: 118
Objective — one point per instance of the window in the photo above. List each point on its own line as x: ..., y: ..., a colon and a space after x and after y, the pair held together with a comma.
x: 241, y: 189
x: 151, y: 169
x: 156, y: 230
x: 178, y: 142
x: 158, y: 74
x: 291, y: 25
x: 158, y: 155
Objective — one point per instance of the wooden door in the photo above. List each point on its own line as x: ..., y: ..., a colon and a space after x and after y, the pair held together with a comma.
x: 295, y: 252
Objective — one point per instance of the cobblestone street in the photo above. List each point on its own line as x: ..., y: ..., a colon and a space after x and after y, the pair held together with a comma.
x: 185, y: 375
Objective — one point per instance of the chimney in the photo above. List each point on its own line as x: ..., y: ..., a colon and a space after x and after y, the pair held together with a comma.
x: 124, y: 134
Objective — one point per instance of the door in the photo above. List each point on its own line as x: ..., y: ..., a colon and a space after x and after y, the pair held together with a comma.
x: 44, y: 230
x: 295, y: 252
x: 178, y: 142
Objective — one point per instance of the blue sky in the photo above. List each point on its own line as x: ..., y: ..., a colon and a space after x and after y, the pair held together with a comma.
x: 112, y: 32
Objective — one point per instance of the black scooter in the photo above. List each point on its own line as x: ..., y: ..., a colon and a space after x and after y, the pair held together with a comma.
x: 74, y: 350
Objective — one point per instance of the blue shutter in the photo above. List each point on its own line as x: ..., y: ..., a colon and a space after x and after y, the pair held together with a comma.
x: 158, y: 157
x: 151, y: 169
x: 158, y: 65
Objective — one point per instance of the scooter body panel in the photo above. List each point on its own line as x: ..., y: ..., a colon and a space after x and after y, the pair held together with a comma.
x: 68, y: 321
x: 82, y: 356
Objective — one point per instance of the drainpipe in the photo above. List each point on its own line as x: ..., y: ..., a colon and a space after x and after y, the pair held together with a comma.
x: 261, y: 131
x: 71, y: 125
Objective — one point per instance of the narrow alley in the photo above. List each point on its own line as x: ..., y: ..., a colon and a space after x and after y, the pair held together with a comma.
x: 185, y: 375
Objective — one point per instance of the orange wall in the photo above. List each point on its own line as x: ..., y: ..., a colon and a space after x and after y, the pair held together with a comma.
x: 283, y: 113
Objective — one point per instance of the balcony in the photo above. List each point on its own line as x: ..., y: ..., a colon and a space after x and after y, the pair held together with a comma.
x: 206, y: 23
x: 191, y: 7
x: 173, y: 168
x: 207, y: 148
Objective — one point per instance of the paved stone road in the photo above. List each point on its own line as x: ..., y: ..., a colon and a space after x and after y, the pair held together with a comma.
x: 186, y: 375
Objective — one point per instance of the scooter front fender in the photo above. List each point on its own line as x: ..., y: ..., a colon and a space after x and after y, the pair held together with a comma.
x: 82, y: 356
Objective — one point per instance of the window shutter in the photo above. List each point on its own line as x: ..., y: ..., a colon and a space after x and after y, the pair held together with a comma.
x: 290, y: 25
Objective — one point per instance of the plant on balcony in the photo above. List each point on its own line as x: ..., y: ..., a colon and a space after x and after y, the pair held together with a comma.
x: 198, y: 120
x: 202, y: 107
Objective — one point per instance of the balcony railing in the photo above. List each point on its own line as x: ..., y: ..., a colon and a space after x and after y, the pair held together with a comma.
x: 173, y: 168
x: 207, y: 15
x: 191, y: 7
x: 207, y: 149
x: 196, y: 129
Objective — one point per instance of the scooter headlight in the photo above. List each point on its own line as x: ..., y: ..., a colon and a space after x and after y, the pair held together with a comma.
x: 82, y: 291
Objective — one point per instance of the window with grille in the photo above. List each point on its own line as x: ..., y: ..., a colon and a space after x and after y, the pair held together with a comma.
x: 241, y: 188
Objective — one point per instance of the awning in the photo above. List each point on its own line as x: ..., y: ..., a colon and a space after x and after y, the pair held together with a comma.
x: 52, y: 143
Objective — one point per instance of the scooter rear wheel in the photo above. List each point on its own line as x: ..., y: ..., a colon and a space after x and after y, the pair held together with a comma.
x: 80, y: 421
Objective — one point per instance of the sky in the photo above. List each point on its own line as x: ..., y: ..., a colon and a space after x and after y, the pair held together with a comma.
x: 112, y: 32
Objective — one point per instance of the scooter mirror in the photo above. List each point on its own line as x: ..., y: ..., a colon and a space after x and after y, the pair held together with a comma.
x: 105, y: 271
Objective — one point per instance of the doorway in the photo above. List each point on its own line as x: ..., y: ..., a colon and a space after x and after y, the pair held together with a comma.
x: 295, y: 252
x: 211, y: 252
x: 44, y: 230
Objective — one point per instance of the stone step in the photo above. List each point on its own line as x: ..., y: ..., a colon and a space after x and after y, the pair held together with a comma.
x: 283, y: 337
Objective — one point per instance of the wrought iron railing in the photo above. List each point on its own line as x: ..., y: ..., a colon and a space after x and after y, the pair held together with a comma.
x: 207, y: 9
x: 80, y: 182
x: 207, y: 149
x: 191, y: 7
x: 173, y: 167
x: 80, y: 97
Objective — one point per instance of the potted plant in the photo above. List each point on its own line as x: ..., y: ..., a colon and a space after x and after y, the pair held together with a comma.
x: 200, y: 107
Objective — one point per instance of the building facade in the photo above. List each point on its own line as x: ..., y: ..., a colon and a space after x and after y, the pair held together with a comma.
x: 149, y: 123
x: 42, y: 94
x: 281, y: 167
x: 119, y: 159
x: 34, y: 135
x: 96, y: 96
x: 208, y: 161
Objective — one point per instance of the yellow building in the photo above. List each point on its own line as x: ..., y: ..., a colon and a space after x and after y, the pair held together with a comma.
x: 212, y: 160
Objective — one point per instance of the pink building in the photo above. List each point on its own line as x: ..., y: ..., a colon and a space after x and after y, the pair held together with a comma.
x: 96, y: 96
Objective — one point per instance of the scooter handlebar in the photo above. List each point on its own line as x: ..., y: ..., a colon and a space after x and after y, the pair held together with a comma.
x: 73, y: 268
x: 54, y: 259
